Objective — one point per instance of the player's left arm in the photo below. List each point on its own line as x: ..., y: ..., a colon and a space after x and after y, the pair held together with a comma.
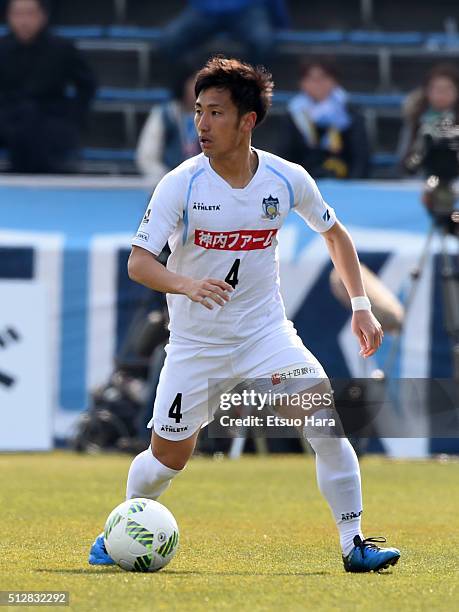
x: 344, y: 256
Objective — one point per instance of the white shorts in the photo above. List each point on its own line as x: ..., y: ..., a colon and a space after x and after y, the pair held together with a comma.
x: 182, y: 397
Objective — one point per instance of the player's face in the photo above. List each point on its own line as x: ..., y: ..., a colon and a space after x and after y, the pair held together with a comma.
x: 220, y: 129
x: 26, y: 19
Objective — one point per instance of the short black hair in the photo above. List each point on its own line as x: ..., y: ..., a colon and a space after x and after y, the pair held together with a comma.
x: 251, y: 88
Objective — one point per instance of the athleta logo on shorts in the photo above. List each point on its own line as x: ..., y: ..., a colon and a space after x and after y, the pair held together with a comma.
x: 240, y: 240
x: 171, y: 429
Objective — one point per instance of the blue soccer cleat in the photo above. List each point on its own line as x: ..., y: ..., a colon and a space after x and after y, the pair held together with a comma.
x: 98, y: 554
x: 366, y: 556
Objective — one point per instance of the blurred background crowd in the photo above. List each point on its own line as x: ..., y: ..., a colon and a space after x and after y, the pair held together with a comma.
x: 106, y: 86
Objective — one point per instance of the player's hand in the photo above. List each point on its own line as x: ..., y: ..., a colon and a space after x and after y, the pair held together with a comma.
x: 208, y: 290
x: 368, y: 330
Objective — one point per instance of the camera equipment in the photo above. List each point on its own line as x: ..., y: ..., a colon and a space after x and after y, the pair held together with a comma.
x: 112, y: 421
x: 436, y: 152
x: 450, y: 288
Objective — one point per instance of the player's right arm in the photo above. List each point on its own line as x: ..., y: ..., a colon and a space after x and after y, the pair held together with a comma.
x: 163, y: 215
x: 146, y: 270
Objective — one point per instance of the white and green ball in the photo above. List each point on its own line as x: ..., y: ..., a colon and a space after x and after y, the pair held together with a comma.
x: 141, y: 535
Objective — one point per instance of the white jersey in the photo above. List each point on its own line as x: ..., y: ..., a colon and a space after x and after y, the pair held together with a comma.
x: 216, y: 231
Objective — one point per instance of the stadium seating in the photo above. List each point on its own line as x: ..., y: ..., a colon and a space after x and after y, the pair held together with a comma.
x: 378, y: 59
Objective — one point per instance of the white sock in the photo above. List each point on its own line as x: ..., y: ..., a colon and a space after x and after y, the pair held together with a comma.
x: 148, y: 477
x: 338, y: 477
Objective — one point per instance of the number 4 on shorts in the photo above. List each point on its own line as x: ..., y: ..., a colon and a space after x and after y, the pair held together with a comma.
x: 174, y: 410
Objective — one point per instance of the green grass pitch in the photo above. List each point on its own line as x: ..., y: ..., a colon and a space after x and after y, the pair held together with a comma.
x: 254, y: 535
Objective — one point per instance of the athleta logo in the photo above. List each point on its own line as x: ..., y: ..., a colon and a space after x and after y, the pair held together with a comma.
x: 201, y: 206
x: 171, y: 429
x: 326, y: 215
x: 240, y: 240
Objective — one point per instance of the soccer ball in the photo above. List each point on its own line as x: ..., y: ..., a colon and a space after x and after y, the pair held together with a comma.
x: 141, y: 535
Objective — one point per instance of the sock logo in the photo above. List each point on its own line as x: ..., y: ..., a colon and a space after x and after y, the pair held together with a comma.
x: 347, y: 516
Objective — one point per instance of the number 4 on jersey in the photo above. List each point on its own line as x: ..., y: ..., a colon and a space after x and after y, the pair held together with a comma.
x: 231, y: 277
x: 175, y: 409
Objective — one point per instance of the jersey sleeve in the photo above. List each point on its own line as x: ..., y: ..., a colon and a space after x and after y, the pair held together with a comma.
x: 310, y: 205
x: 162, y: 216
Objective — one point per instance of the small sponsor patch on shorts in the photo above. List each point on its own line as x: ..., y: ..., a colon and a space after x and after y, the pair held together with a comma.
x: 294, y: 372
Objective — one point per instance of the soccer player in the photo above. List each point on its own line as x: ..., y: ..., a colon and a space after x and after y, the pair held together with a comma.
x: 221, y: 212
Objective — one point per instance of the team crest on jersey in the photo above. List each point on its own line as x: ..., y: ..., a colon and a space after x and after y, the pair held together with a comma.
x: 270, y: 208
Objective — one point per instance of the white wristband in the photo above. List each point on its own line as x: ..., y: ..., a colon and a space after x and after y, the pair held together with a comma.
x: 360, y: 303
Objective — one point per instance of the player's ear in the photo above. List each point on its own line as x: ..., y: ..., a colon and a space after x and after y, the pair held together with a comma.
x: 248, y: 121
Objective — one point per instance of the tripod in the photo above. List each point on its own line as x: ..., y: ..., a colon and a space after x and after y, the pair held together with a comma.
x: 450, y: 290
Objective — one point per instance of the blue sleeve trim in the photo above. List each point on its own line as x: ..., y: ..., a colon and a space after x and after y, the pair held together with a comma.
x: 185, y: 212
x: 286, y: 181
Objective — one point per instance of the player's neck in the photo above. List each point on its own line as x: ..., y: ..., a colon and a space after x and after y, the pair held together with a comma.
x: 237, y: 168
